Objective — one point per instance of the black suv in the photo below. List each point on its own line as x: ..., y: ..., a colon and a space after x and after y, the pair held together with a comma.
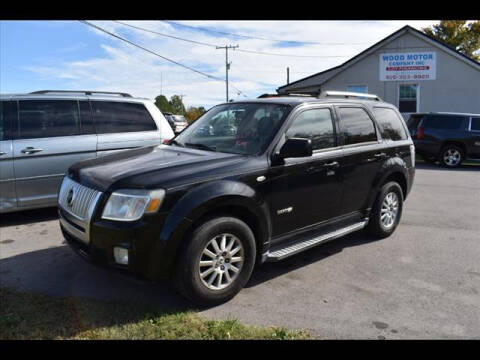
x: 207, y: 207
x: 449, y: 138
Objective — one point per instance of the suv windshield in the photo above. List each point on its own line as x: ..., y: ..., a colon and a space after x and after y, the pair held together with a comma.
x: 241, y: 128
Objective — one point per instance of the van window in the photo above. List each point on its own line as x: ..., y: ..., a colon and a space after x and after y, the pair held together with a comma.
x: 357, y: 126
x: 8, y: 117
x: 86, y: 118
x: 316, y: 125
x: 48, y: 118
x: 475, y: 126
x: 443, y: 122
x: 118, y: 117
x: 391, y: 125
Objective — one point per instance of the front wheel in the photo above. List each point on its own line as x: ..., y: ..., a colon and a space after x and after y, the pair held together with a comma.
x: 216, y: 261
x: 386, y: 211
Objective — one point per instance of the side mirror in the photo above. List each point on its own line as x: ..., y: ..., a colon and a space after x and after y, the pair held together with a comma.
x: 296, y: 147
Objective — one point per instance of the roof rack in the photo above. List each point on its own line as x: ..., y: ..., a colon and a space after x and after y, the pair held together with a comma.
x: 85, y: 92
x: 348, y: 95
x: 284, y: 95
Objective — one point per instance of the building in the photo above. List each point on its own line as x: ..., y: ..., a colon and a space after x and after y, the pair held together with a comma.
x: 408, y: 69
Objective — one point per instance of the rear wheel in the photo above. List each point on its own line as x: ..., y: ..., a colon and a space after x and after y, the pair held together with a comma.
x: 386, y: 211
x: 216, y: 262
x: 451, y: 156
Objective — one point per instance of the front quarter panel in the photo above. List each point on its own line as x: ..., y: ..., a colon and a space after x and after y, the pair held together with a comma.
x: 204, y: 198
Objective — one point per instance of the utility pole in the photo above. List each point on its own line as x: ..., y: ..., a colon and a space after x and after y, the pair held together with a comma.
x: 288, y: 75
x: 181, y: 98
x: 227, y: 64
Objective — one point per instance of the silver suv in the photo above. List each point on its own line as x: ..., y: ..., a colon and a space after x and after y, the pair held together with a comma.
x: 45, y: 132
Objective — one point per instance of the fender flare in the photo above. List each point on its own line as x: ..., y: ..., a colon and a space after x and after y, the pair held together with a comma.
x: 204, y: 198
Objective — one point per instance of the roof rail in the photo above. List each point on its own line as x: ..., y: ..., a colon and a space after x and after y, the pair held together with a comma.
x: 85, y: 92
x: 347, y: 95
x: 284, y: 95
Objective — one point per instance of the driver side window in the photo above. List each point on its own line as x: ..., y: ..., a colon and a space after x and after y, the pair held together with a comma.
x: 316, y: 125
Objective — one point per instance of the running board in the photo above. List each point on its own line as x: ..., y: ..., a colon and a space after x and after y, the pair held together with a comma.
x: 292, y: 249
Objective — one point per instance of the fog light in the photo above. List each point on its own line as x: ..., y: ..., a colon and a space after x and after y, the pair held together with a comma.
x: 121, y: 255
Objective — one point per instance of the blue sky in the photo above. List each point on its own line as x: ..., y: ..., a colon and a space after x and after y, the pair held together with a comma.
x: 70, y: 55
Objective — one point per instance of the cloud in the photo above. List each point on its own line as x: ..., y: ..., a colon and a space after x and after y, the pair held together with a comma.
x: 123, y: 67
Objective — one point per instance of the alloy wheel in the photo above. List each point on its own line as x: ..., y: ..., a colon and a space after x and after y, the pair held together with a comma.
x: 389, y: 211
x: 221, y: 261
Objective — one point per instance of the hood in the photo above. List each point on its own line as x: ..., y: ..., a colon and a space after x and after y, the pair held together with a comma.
x: 153, y: 166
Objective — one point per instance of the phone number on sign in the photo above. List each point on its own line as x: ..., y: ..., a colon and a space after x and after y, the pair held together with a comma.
x: 407, y: 77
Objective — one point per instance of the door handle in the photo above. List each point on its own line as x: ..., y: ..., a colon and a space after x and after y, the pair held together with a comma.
x: 31, y: 150
x: 380, y: 156
x: 332, y: 164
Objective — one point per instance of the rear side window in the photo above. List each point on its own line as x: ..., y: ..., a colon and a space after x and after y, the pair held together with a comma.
x: 475, y: 124
x: 391, y: 125
x: 86, y: 118
x: 8, y: 117
x: 118, y: 117
x: 316, y: 125
x: 48, y: 118
x: 356, y: 125
x: 443, y: 122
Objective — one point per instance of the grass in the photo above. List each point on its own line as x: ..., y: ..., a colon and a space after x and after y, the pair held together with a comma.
x: 32, y: 316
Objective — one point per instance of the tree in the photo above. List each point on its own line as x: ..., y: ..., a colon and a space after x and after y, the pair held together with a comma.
x: 176, y: 105
x: 459, y: 35
x: 163, y: 104
x: 193, y: 113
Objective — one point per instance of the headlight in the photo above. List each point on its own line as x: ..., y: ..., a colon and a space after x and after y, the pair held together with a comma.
x: 130, y: 205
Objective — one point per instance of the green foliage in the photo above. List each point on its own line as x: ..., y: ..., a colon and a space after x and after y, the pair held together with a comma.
x: 32, y: 316
x: 193, y: 113
x: 163, y: 104
x: 176, y: 104
x: 459, y: 35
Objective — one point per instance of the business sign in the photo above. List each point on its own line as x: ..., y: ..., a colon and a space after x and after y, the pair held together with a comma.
x: 408, y: 66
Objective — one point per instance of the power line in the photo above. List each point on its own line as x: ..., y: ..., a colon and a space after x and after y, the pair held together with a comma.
x: 154, y: 53
x: 241, y: 50
x: 258, y: 38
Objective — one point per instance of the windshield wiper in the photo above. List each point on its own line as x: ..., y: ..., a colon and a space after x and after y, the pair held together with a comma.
x: 175, y: 142
x: 202, y: 146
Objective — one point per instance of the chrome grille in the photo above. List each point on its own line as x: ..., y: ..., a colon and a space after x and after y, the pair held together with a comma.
x: 77, y: 199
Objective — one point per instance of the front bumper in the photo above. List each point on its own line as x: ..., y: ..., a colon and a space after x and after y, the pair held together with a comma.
x: 141, y: 238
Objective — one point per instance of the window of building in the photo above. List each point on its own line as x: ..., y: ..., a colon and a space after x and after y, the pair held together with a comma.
x: 475, y: 125
x: 48, y: 118
x: 356, y: 125
x: 118, y: 117
x: 358, y: 88
x: 316, y: 125
x: 390, y: 123
x: 408, y: 97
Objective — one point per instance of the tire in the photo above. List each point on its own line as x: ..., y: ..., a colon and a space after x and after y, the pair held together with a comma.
x: 376, y: 226
x: 187, y: 278
x: 451, y: 156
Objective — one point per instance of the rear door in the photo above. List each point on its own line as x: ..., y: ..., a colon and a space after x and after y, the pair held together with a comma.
x: 50, y: 139
x: 363, y: 153
x: 123, y: 125
x: 8, y: 117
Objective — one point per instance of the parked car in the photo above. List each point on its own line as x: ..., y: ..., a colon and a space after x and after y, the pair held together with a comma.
x: 204, y: 210
x: 448, y: 138
x: 43, y: 133
x: 177, y: 122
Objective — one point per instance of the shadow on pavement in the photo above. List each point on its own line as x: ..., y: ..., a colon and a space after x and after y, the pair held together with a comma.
x: 59, y: 272
x: 28, y: 216
x: 430, y: 166
x: 272, y: 270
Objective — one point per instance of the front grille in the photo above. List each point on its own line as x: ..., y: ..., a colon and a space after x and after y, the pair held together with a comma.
x: 76, y: 199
